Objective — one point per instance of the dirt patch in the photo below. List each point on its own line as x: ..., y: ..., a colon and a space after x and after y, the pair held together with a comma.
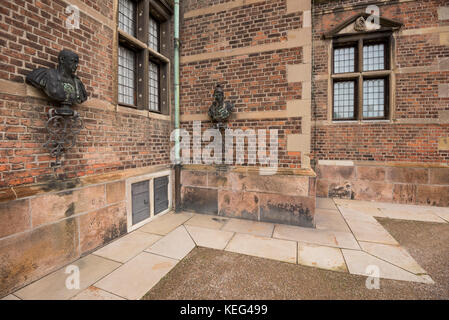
x: 216, y: 274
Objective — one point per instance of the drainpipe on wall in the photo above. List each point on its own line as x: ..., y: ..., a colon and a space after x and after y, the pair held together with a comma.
x: 177, y: 121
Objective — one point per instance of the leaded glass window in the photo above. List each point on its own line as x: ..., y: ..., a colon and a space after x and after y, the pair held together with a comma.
x: 344, y: 100
x: 154, y: 86
x: 126, y: 16
x: 126, y: 76
x: 153, y: 36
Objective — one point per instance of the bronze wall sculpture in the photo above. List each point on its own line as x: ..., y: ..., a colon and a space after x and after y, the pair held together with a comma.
x: 63, y: 86
x: 220, y: 111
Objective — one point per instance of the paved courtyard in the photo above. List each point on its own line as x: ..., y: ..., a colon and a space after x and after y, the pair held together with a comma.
x: 348, y: 240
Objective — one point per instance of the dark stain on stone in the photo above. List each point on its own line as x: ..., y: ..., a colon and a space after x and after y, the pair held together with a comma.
x: 71, y: 210
x: 201, y: 200
x: 256, y: 199
x: 115, y: 231
x: 342, y: 192
x: 57, y: 185
x: 287, y: 213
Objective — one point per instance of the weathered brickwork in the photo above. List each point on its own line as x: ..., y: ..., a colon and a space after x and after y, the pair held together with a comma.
x: 255, y: 78
x: 418, y: 120
x: 32, y: 34
x: 249, y: 25
x: 110, y: 141
x: 283, y: 127
x: 255, y: 82
x: 380, y: 142
x: 421, y: 67
x: 53, y: 214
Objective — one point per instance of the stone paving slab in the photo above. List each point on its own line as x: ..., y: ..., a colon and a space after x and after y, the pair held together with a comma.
x: 325, y: 203
x: 128, y: 246
x: 360, y: 213
x: 136, y: 277
x: 263, y: 247
x: 355, y: 203
x: 10, y: 297
x: 170, y: 237
x: 321, y: 257
x: 257, y: 228
x: 207, y: 221
x: 443, y: 214
x: 320, y: 237
x: 415, y: 213
x: 165, y: 224
x: 326, y: 219
x: 176, y: 245
x: 393, y: 254
x: 94, y: 293
x: 209, y: 238
x: 359, y: 261
x: 370, y: 232
x: 53, y: 287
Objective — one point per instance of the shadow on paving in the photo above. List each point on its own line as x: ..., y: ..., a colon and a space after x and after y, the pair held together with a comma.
x: 216, y: 274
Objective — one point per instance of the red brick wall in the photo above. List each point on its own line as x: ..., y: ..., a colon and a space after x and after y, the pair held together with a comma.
x: 284, y: 127
x: 255, y: 82
x: 31, y: 35
x: 248, y: 25
x: 109, y: 141
x: 416, y: 93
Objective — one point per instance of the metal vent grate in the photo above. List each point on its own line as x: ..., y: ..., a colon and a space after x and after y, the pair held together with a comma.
x: 140, y: 201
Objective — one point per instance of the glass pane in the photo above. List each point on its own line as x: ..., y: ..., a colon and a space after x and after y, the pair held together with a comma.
x: 126, y: 75
x: 344, y: 100
x: 126, y: 16
x: 344, y: 60
x: 374, y: 98
x: 153, y: 39
x: 154, y: 86
x: 374, y: 57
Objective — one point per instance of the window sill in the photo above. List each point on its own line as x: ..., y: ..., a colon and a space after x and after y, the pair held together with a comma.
x: 143, y: 113
x: 141, y: 45
x: 361, y: 121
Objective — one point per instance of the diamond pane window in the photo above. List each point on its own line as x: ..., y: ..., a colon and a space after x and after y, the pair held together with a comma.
x: 126, y: 16
x: 153, y: 36
x: 344, y: 100
x: 374, y: 98
x: 126, y: 76
x: 344, y: 60
x: 374, y: 57
x: 154, y: 86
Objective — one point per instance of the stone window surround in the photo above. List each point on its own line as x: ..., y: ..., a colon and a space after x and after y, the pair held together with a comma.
x: 150, y: 177
x: 139, y: 44
x: 358, y: 76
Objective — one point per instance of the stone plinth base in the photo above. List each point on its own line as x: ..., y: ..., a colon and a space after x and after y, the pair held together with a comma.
x: 286, y: 197
x: 407, y: 183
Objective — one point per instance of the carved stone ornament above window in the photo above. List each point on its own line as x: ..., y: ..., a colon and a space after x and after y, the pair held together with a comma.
x: 363, y: 23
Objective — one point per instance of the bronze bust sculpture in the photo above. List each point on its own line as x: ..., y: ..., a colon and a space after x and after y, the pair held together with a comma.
x: 61, y: 84
x: 220, y: 110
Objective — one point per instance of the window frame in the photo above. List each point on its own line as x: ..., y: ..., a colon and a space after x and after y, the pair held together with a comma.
x: 158, y: 87
x: 143, y: 54
x: 356, y: 100
x: 359, y: 41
